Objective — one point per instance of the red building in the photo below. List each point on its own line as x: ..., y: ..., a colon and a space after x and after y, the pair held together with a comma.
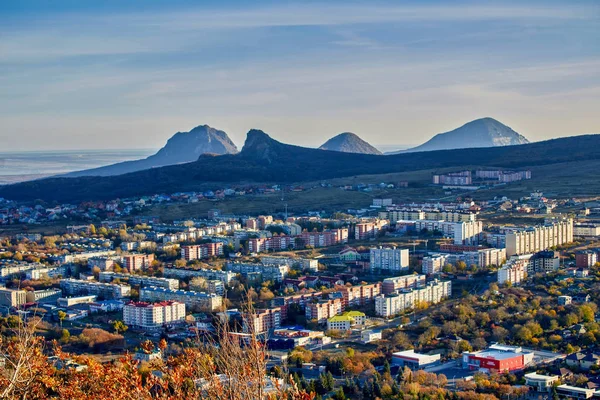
x: 494, y: 360
x: 134, y: 262
x: 199, y: 251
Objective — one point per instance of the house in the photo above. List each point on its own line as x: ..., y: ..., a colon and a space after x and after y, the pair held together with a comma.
x: 564, y: 300
x: 583, y: 360
x: 143, y: 356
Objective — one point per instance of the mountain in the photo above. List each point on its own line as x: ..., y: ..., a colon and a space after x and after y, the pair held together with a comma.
x: 182, y: 147
x: 349, y: 142
x: 483, y: 132
x: 265, y: 160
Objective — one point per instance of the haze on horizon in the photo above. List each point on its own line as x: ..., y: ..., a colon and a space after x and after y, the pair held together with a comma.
x: 113, y: 74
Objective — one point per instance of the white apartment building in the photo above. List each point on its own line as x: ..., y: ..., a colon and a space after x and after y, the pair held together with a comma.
x: 390, y: 259
x: 72, y: 287
x: 12, y: 298
x: 139, y: 280
x: 515, y: 270
x: 431, y: 293
x: 433, y: 264
x: 194, y: 300
x: 468, y: 233
x: 150, y: 316
x: 391, y: 285
x: 181, y: 273
x: 274, y: 273
x: 586, y: 230
x: 301, y: 263
x: 535, y: 239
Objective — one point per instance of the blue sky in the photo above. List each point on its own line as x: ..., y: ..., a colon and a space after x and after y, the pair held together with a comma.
x: 110, y: 74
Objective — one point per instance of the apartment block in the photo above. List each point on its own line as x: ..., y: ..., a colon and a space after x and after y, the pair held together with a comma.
x: 73, y: 287
x: 134, y: 262
x: 323, y: 310
x: 359, y: 295
x: 387, y: 305
x: 300, y: 263
x: 207, y: 302
x: 12, y: 298
x: 45, y: 295
x: 535, y: 239
x: 389, y: 259
x: 463, y: 233
x: 201, y: 251
x: 263, y: 320
x: 151, y: 316
x: 515, y: 270
x: 544, y: 262
x: 138, y: 280
x: 392, y: 285
x: 586, y: 259
x: 275, y: 273
x: 210, y: 274
x: 433, y: 264
x: 368, y: 230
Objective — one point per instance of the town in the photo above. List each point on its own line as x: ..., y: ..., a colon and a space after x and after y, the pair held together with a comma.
x: 357, y: 303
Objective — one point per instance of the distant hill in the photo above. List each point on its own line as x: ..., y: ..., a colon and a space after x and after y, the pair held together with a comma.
x: 182, y: 147
x: 483, y: 132
x: 265, y: 160
x: 349, y: 142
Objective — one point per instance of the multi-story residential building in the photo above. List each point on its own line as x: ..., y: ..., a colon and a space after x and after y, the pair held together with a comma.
x: 299, y: 299
x: 151, y: 316
x: 263, y: 320
x: 134, y: 262
x: 586, y: 230
x: 201, y: 251
x: 463, y: 233
x: 207, y: 302
x: 274, y: 273
x: 69, y: 258
x: 461, y: 178
x: 322, y: 310
x: 103, y: 263
x: 433, y: 264
x: 431, y: 215
x: 359, y: 295
x: 368, y: 230
x: 72, y: 287
x: 210, y: 274
x: 586, y: 259
x: 17, y: 268
x: 346, y: 321
x: 46, y: 272
x: 515, y: 270
x: 215, y: 286
x: 12, y: 298
x: 392, y: 285
x: 300, y: 263
x: 485, y: 257
x: 535, y: 239
x: 387, y: 305
x: 138, y: 280
x: 389, y: 259
x: 45, y: 295
x: 543, y: 262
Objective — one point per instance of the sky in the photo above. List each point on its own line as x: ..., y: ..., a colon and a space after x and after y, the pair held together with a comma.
x: 128, y: 74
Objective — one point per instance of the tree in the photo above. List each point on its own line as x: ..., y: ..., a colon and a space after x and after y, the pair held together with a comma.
x: 61, y: 316
x: 92, y: 229
x: 119, y: 326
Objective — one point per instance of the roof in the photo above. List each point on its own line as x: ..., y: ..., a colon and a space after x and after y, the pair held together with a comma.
x: 341, y: 318
x: 416, y: 356
x: 496, y: 354
x: 540, y: 377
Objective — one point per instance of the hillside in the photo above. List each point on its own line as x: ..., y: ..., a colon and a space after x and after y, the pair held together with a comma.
x: 483, y: 132
x: 182, y: 147
x: 265, y: 160
x: 349, y: 142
